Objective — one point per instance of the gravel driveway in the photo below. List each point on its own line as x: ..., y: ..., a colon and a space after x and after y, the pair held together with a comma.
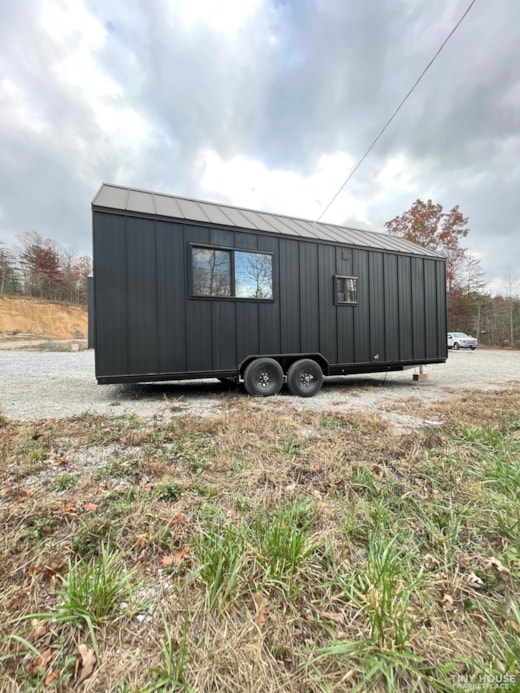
x: 36, y: 385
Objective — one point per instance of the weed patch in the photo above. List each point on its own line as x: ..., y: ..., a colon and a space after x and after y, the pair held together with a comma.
x: 261, y: 550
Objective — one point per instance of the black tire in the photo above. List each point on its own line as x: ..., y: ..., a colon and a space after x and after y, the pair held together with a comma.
x: 473, y: 348
x: 263, y: 377
x: 304, y: 378
x: 456, y: 346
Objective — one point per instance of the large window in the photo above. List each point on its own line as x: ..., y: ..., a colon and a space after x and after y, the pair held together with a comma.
x: 346, y: 289
x: 234, y: 273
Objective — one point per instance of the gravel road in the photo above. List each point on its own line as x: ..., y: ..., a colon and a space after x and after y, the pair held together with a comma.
x: 36, y: 385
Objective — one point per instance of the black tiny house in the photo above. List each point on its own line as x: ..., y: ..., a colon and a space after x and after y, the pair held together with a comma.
x: 188, y: 289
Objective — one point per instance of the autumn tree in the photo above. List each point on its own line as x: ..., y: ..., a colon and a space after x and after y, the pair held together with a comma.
x: 40, y: 261
x: 426, y: 224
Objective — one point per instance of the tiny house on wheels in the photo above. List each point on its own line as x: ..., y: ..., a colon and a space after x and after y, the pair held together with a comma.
x: 188, y: 289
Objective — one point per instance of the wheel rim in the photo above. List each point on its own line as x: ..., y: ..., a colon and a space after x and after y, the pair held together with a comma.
x: 264, y: 378
x: 306, y: 378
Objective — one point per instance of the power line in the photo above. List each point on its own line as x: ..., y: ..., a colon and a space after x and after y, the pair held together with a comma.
x: 398, y: 108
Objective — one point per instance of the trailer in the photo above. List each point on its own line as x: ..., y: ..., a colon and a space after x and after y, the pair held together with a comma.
x: 185, y: 289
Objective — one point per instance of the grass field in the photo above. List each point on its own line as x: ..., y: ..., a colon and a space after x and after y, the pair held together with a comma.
x: 262, y: 552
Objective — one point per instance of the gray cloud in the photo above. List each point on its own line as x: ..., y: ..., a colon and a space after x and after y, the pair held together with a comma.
x: 137, y: 96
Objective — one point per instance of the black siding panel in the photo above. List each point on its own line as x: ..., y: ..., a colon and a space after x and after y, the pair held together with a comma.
x: 289, y: 296
x: 198, y: 336
x: 247, y: 330
x: 377, y: 307
x: 418, y: 323
x: 171, y: 297
x: 269, y: 313
x: 328, y: 325
x: 391, y: 308
x: 111, y: 295
x: 91, y: 320
x: 246, y: 241
x: 222, y: 237
x: 142, y: 296
x: 405, y: 308
x: 196, y: 234
x: 362, y: 314
x: 442, y: 315
x: 430, y: 322
x: 223, y: 321
x: 309, y: 295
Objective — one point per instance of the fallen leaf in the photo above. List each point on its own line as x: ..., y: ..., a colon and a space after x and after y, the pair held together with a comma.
x: 39, y: 629
x: 447, y: 602
x: 331, y: 616
x: 3, y: 491
x: 41, y: 661
x: 260, y: 616
x: 496, y: 565
x: 479, y: 619
x: 53, y: 673
x: 87, y: 507
x: 474, y: 580
x: 431, y: 561
x: 176, y: 558
x: 464, y: 560
x: 180, y: 554
x: 69, y: 507
x: 141, y: 540
x: 85, y: 663
x: 179, y: 519
x: 36, y: 569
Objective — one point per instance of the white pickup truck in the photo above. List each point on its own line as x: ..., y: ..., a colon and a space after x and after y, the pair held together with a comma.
x: 459, y: 340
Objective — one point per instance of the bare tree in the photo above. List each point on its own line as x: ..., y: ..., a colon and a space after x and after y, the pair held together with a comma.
x: 511, y: 285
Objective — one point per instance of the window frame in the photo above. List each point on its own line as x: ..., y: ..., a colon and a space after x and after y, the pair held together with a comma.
x: 337, y: 301
x: 231, y: 250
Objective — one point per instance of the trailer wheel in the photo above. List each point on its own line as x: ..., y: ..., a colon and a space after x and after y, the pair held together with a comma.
x: 263, y: 377
x: 305, y: 378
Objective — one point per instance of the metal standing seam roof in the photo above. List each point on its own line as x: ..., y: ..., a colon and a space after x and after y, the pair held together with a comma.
x: 142, y: 201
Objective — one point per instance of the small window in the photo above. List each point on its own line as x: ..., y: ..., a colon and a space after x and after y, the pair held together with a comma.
x: 231, y: 273
x: 346, y: 289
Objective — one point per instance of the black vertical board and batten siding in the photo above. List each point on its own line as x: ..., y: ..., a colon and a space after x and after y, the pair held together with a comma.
x: 146, y: 322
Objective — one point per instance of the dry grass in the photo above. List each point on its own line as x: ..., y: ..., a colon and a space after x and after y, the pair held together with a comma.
x: 271, y: 551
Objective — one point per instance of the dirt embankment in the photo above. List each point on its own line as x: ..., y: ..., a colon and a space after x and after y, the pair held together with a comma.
x: 41, y: 318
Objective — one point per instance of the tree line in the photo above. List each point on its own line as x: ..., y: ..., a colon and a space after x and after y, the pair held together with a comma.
x: 493, y: 319
x: 43, y: 268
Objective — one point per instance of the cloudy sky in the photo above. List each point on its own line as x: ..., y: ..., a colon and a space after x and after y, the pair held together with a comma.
x: 262, y: 103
